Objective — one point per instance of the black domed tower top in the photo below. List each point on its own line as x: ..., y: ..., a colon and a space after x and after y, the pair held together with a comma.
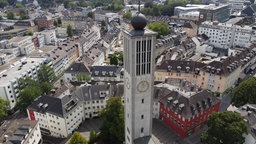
x: 139, y: 21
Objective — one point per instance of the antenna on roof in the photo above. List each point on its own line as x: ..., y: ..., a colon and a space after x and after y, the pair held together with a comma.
x: 139, y: 6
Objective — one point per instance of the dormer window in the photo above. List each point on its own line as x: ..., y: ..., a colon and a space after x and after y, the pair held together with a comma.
x: 96, y: 72
x: 178, y: 68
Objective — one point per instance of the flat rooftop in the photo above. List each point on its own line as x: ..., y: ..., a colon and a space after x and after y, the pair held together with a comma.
x: 40, y: 52
x: 13, y: 31
x: 18, y: 39
x: 214, y: 6
x: 234, y: 20
x: 15, y: 130
x: 14, y: 69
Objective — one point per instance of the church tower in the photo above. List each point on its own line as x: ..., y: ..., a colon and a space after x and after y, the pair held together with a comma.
x: 139, y: 45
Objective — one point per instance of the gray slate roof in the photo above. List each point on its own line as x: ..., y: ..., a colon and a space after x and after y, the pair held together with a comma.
x: 94, y: 92
x: 195, y: 101
x: 77, y: 68
x: 106, y: 71
x: 56, y: 105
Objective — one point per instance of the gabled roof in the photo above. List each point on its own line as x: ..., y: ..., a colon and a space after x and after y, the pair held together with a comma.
x: 55, y: 105
x: 224, y: 66
x: 97, y: 92
x: 249, y: 11
x: 77, y: 68
x: 186, y: 106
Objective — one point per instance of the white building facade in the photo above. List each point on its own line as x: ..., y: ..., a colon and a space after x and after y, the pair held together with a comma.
x: 227, y: 35
x: 57, y: 116
x: 27, y: 67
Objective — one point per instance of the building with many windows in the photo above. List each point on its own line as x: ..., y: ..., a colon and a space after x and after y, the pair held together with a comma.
x: 63, y: 55
x: 224, y: 35
x: 184, y: 107
x: 60, y: 116
x: 57, y: 116
x: 215, y: 12
x: 218, y: 75
x: 10, y: 75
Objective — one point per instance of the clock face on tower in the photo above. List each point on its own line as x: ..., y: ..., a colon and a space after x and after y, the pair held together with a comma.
x: 143, y: 86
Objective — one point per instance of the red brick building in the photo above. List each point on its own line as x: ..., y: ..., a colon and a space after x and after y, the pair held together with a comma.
x: 184, y: 107
x: 44, y: 21
x: 35, y: 41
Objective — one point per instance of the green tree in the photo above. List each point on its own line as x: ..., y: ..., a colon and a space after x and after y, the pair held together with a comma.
x: 160, y: 27
x: 27, y: 82
x: 112, y: 128
x: 3, y: 3
x: 103, y: 27
x: 114, y: 60
x: 18, y: 5
x: 90, y: 15
x: 55, y: 23
x: 10, y: 36
x: 127, y: 15
x: 10, y: 15
x: 29, y: 91
x: 30, y: 32
x: 148, y: 4
x: 27, y: 96
x: 23, y: 15
x: 244, y: 92
x: 81, y: 77
x: 69, y: 31
x: 93, y: 137
x: 225, y: 128
x: 77, y: 138
x: 4, y: 106
x: 46, y: 74
x: 120, y: 57
x: 59, y: 21
x: 46, y: 87
x: 195, y: 1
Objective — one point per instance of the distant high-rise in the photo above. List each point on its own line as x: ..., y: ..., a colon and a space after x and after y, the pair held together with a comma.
x: 139, y: 44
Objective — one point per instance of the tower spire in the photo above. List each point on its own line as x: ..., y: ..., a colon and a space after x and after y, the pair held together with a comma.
x: 139, y: 6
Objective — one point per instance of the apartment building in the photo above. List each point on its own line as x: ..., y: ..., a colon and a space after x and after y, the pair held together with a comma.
x: 224, y: 35
x: 63, y: 55
x: 13, y: 32
x: 61, y: 116
x: 184, y: 107
x: 94, y: 57
x: 10, y: 74
x: 57, y: 116
x: 89, y: 38
x: 20, y: 132
x: 217, y: 75
x: 44, y: 21
x: 215, y: 12
x: 49, y: 36
x: 238, y: 5
x: 25, y: 44
x: 178, y: 10
x: 96, y: 96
